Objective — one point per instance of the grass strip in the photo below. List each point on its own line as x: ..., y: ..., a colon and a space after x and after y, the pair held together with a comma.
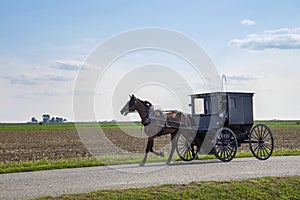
x: 257, y: 188
x: 67, y: 125
x: 72, y: 125
x: 45, y: 164
x: 279, y: 123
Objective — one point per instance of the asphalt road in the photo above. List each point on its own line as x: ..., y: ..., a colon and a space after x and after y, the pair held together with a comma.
x: 65, y: 181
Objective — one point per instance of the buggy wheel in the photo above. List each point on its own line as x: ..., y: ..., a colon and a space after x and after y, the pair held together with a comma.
x: 186, y: 148
x: 261, y: 142
x: 226, y: 145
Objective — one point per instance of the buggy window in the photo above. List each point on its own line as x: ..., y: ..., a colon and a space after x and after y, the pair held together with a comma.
x: 199, y: 106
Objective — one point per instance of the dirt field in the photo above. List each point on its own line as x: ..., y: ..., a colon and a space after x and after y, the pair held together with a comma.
x: 56, y: 144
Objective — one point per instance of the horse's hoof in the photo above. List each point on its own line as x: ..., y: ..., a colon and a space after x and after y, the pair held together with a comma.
x: 168, y: 163
x: 161, y: 154
x: 142, y: 164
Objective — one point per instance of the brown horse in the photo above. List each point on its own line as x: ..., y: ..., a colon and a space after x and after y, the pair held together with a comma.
x: 157, y: 123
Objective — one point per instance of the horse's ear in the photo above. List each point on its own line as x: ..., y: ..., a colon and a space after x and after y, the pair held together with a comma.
x: 130, y: 96
x: 133, y: 96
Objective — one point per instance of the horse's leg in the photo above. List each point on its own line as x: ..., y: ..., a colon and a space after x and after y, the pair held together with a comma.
x: 148, y: 148
x: 161, y: 154
x: 173, y: 139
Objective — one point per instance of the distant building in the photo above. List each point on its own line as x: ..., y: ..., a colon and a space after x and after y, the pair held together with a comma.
x: 46, y: 118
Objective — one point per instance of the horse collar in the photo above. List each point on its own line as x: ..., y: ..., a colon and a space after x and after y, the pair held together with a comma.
x: 147, y: 120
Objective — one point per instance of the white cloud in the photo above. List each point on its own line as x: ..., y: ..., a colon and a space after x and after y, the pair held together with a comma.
x: 247, y: 22
x: 284, y: 38
x: 30, y: 79
x: 241, y: 78
x: 70, y: 65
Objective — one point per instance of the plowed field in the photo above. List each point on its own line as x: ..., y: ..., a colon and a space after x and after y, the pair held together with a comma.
x: 25, y: 145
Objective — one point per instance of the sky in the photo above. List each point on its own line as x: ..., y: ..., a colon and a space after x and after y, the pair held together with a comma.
x: 43, y: 45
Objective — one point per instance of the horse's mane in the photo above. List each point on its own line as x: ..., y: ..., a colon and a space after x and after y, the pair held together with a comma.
x: 147, y: 103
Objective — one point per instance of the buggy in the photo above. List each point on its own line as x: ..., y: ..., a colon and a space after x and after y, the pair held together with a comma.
x: 222, y: 122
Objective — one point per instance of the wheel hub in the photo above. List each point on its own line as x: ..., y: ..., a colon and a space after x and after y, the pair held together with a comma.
x: 261, y: 141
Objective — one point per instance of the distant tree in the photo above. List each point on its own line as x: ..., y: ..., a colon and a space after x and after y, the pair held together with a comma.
x: 34, y: 120
x: 58, y: 119
x: 52, y: 120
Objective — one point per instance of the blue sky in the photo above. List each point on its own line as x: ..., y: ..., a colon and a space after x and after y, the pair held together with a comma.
x: 43, y: 44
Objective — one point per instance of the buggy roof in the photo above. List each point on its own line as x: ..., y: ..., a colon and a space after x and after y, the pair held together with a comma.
x: 202, y: 95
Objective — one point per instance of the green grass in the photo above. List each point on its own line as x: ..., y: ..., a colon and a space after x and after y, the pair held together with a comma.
x: 245, y: 154
x: 258, y: 188
x: 71, y: 125
x: 279, y: 123
x: 68, y: 125
x: 45, y: 164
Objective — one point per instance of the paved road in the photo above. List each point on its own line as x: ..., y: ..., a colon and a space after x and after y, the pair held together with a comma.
x: 56, y: 182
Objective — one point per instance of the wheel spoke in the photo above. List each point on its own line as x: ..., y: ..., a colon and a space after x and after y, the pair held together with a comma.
x: 189, y: 154
x: 260, y: 151
x: 257, y: 131
x: 182, y: 139
x: 185, y: 154
x: 267, y: 146
x: 266, y: 150
x: 255, y: 135
x: 260, y: 130
x: 221, y: 153
x: 183, y: 151
x: 218, y: 149
x: 263, y: 151
x: 254, y: 141
x: 228, y: 153
x: 255, y: 147
x: 232, y: 142
x: 266, y: 133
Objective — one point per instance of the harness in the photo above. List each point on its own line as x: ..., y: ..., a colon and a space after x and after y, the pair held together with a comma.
x: 147, y: 120
x: 151, y: 115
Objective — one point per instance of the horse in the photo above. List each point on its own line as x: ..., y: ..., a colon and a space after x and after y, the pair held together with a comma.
x: 157, y: 123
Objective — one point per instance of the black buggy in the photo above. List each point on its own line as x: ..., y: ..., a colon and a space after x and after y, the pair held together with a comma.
x: 222, y: 122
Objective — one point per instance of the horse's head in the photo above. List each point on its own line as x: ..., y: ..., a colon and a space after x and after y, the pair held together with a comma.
x: 130, y: 106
